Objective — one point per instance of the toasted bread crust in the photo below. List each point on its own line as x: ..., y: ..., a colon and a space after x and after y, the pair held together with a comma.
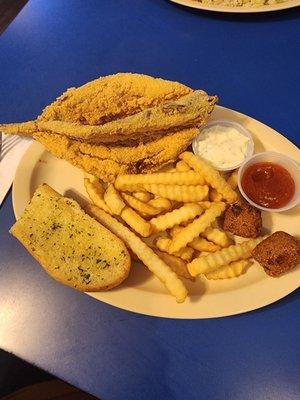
x: 72, y: 247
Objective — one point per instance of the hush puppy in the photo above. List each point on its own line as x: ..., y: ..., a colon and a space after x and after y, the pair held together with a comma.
x: 243, y: 220
x: 278, y: 253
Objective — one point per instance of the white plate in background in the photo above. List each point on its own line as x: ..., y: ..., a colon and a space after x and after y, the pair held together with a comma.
x: 227, y: 9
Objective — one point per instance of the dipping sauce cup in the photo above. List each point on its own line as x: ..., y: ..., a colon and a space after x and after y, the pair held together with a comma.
x: 225, y: 144
x: 280, y: 160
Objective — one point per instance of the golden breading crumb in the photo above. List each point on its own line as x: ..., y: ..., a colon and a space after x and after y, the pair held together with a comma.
x: 111, y: 97
x: 243, y: 220
x: 120, y: 124
x: 278, y: 253
x: 107, y: 162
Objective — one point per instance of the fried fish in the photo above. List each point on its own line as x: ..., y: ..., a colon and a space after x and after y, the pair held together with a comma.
x: 106, y: 162
x: 187, y: 111
x: 105, y: 99
x: 123, y: 123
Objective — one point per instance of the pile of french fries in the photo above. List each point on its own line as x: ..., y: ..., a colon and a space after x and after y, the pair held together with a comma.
x: 168, y: 220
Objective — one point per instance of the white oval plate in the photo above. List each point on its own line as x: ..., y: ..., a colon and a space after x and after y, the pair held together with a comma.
x: 226, y: 9
x: 142, y: 292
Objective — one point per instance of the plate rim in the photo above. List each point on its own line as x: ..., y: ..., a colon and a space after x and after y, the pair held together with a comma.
x: 238, y: 10
x: 181, y: 310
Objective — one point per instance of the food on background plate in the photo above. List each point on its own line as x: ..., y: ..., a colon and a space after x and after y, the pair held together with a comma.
x: 242, y: 219
x: 223, y: 144
x: 278, y: 253
x: 71, y: 246
x: 240, y: 3
x: 120, y: 124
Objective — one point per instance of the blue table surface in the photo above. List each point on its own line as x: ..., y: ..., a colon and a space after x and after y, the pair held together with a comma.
x: 252, y: 62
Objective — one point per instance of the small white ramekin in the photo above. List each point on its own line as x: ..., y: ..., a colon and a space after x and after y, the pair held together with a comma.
x: 270, y: 156
x: 241, y: 129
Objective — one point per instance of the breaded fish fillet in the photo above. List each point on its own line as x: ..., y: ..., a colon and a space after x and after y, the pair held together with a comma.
x: 123, y: 123
x: 189, y: 110
x: 22, y: 128
x: 120, y: 107
x: 112, y: 97
x: 107, y: 162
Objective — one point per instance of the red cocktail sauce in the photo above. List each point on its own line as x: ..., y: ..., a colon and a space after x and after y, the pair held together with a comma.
x: 268, y: 184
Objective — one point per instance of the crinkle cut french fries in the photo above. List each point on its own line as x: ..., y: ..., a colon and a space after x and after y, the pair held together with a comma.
x: 125, y: 182
x: 211, y: 176
x: 182, y: 214
x: 155, y: 264
x: 178, y: 211
x: 232, y: 270
x: 195, y: 228
x: 214, y: 261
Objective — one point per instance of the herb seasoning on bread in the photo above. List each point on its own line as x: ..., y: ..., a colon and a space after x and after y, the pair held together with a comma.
x: 72, y: 247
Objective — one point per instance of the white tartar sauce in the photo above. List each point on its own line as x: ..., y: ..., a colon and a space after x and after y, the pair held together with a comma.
x: 223, y: 146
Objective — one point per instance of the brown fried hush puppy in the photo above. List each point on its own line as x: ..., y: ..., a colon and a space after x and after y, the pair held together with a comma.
x: 278, y: 253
